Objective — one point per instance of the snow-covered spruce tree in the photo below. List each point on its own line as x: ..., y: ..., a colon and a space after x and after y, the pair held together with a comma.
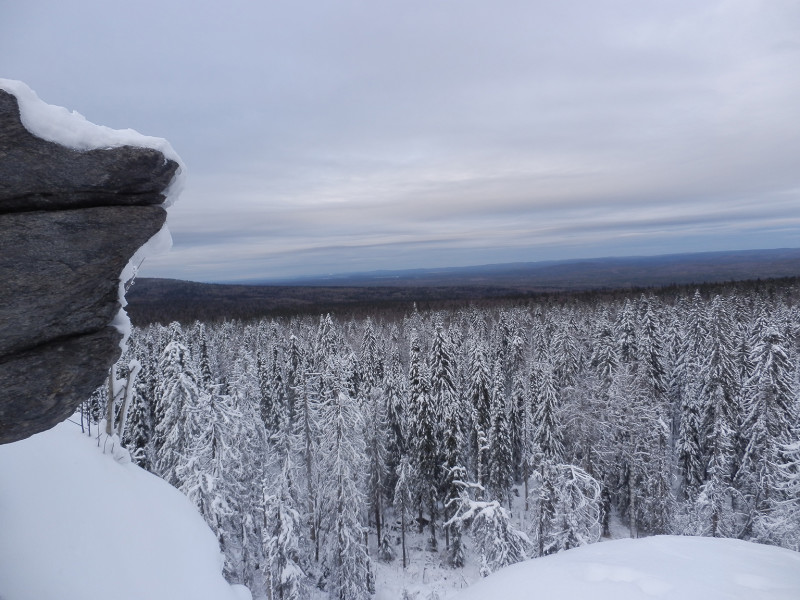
x: 282, y: 531
x: 567, y: 362
x: 283, y: 571
x: 396, y: 418
x: 371, y: 357
x: 770, y: 422
x: 500, y: 453
x: 515, y: 358
x: 244, y: 548
x: 743, y: 362
x: 548, y: 451
x: 688, y: 391
x: 498, y: 542
x: 273, y: 391
x: 310, y: 396
x: 178, y: 408
x: 247, y: 524
x: 375, y: 442
x: 689, y: 444
x: 479, y: 393
x: 206, y: 376
x: 425, y: 448
x: 326, y: 344
x: 785, y: 514
x: 139, y: 430
x: 403, y: 501
x: 626, y: 334
x: 516, y: 421
x: 548, y: 436
x: 442, y: 374
x: 455, y: 476
x: 589, y: 431
x: 210, y: 476
x: 445, y: 399
x: 650, y: 349
x: 644, y: 478
x: 350, y: 575
x: 604, y: 357
x: 294, y: 362
x: 569, y: 506
x: 452, y: 471
x: 715, y: 510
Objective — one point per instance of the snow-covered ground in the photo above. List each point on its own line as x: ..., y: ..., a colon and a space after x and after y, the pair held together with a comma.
x: 426, y: 576
x: 616, y: 568
x: 77, y: 524
x: 664, y: 567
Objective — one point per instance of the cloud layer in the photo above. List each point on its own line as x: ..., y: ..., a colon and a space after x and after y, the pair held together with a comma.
x: 339, y: 136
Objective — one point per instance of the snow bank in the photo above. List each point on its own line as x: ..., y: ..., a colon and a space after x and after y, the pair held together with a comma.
x: 76, y: 524
x: 665, y: 567
x: 73, y: 130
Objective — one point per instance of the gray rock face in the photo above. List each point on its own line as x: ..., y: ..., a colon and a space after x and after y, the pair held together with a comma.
x: 44, y: 385
x: 60, y: 269
x: 37, y: 174
x: 69, y: 223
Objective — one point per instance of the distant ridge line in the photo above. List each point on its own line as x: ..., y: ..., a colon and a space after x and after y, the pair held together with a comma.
x: 572, y: 273
x: 165, y: 300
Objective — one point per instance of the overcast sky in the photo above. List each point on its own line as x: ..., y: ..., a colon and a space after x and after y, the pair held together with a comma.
x: 338, y: 136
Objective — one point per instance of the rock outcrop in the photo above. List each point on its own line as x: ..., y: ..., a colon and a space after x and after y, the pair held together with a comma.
x: 70, y: 220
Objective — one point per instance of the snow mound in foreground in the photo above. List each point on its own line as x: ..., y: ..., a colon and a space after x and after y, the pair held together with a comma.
x: 76, y: 524
x: 666, y: 567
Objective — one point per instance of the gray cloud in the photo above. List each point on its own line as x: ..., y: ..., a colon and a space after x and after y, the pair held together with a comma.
x: 329, y: 136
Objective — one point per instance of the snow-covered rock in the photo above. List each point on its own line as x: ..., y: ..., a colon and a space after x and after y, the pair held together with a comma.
x: 79, y: 524
x: 80, y: 206
x: 664, y: 567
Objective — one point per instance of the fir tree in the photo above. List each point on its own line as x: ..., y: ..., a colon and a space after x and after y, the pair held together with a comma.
x: 208, y: 476
x: 498, y: 542
x: 403, y: 501
x: 396, y: 419
x: 500, y: 453
x: 283, y: 568
x: 547, y: 440
x: 425, y: 451
x: 771, y: 417
x: 479, y: 393
x: 721, y: 418
x: 350, y: 576
x: 178, y: 397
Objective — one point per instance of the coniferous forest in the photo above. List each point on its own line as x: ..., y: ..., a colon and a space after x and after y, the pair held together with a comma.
x: 315, y: 447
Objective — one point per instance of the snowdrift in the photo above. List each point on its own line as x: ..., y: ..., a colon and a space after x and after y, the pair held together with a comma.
x: 665, y: 567
x: 78, y: 524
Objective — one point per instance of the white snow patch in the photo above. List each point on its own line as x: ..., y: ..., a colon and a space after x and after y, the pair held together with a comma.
x: 160, y: 243
x: 76, y: 524
x: 665, y: 567
x: 73, y: 130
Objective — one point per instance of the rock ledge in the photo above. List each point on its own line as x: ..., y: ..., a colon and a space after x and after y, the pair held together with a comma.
x: 70, y: 220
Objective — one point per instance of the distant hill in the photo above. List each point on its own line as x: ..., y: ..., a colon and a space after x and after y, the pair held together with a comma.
x: 163, y: 300
x: 580, y: 274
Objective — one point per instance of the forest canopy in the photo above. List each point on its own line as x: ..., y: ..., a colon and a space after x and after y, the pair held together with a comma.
x: 313, y: 445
